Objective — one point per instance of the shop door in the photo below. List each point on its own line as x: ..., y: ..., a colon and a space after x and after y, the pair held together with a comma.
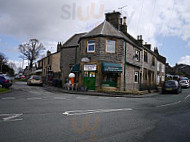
x: 90, y: 80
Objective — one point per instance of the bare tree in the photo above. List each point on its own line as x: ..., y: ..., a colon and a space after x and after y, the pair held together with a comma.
x: 31, y: 50
x: 3, y: 61
x: 13, y: 66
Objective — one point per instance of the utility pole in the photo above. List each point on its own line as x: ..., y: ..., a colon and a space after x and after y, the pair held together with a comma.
x: 125, y: 66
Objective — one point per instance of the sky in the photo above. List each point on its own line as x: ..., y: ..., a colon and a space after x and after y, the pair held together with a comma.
x: 163, y: 24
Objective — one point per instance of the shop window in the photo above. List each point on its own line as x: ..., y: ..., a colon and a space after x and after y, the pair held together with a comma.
x: 110, y: 79
x: 137, y: 55
x: 110, y: 46
x: 136, y: 77
x: 91, y: 46
x: 145, y: 56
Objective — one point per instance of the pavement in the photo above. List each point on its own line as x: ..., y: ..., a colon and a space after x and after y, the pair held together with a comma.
x: 95, y: 93
x: 36, y: 114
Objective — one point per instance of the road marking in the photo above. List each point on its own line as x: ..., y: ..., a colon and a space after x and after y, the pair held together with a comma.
x: 34, y: 98
x: 102, y: 97
x: 11, y: 117
x: 60, y: 98
x: 82, y: 97
x: 84, y: 112
x: 8, y: 98
x: 187, y: 96
x: 169, y: 104
x: 118, y: 97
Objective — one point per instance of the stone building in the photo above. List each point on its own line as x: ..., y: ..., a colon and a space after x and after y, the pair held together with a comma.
x: 108, y: 57
x: 51, y: 63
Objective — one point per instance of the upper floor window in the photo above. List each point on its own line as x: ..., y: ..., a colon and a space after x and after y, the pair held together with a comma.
x: 153, y: 61
x: 91, y: 46
x: 163, y: 68
x: 145, y: 56
x: 158, y: 66
x: 137, y: 55
x: 110, y: 46
x: 136, y: 77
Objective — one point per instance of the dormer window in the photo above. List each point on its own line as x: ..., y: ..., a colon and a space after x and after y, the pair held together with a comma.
x: 91, y: 46
x: 110, y: 46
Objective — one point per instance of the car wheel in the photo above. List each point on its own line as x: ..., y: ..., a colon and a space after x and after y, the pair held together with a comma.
x: 163, y: 92
x: 178, y: 91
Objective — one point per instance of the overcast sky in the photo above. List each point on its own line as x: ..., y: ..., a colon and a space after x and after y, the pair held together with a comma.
x: 164, y: 24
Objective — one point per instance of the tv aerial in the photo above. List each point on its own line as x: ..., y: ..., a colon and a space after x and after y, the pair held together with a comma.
x: 122, y: 8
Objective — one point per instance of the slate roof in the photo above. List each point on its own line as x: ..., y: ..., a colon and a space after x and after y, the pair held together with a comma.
x: 73, y: 41
x: 108, y: 30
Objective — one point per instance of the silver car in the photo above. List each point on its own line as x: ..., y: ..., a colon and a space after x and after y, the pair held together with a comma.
x: 184, y: 82
x: 35, y: 80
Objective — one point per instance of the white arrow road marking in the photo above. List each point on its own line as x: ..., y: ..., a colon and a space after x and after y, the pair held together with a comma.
x: 169, y: 104
x: 34, y: 98
x: 8, y: 98
x: 59, y: 98
x: 84, y: 112
x: 11, y: 117
x: 82, y: 97
x: 187, y: 96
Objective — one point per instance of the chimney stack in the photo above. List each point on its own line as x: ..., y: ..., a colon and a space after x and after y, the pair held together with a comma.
x: 59, y: 47
x: 140, y: 40
x: 114, y: 19
x: 48, y: 53
x: 148, y: 46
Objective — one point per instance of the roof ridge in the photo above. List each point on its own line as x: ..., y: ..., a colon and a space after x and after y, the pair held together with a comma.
x: 103, y: 27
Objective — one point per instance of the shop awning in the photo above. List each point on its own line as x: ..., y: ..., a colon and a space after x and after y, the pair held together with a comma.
x: 111, y: 67
x: 76, y: 68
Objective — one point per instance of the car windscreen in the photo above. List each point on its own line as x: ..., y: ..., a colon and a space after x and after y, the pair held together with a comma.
x: 36, y: 77
x: 184, y: 78
x: 170, y: 83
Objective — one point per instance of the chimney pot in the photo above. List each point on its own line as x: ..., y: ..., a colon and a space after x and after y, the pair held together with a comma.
x: 124, y: 20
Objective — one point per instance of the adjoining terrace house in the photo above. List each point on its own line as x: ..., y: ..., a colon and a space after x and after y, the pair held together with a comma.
x: 49, y: 66
x: 108, y: 57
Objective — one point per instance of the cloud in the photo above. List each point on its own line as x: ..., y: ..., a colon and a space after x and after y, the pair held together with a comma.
x: 57, y: 20
x: 185, y: 60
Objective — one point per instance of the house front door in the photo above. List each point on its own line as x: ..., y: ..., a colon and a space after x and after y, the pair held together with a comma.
x: 90, y: 80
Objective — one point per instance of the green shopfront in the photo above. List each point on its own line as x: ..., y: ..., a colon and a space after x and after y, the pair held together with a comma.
x: 111, y: 75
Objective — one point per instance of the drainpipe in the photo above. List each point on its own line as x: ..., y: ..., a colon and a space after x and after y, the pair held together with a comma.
x: 125, y: 65
x: 75, y: 54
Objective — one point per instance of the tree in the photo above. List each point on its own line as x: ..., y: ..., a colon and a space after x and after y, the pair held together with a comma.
x: 31, y: 50
x: 12, y: 65
x: 3, y: 61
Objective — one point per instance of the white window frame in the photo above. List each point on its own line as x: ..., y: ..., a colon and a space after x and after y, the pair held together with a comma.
x: 107, y: 51
x: 163, y: 78
x: 136, y: 73
x: 89, y: 44
x: 163, y: 68
x: 137, y: 52
x: 158, y: 66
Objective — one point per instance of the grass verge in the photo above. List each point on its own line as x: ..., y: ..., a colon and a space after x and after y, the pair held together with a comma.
x: 3, y: 90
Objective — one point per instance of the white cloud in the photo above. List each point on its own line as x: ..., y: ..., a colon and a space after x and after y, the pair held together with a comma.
x: 57, y: 20
x: 185, y: 60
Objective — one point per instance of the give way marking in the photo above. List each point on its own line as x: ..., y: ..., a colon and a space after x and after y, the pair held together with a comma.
x: 11, y: 117
x: 84, y: 112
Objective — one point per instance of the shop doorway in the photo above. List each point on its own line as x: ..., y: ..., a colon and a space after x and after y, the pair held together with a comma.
x: 90, y: 80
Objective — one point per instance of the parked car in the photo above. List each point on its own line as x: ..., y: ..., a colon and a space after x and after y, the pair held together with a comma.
x: 5, y: 81
x: 17, y: 77
x: 184, y: 82
x: 35, y: 80
x: 171, y: 86
x: 22, y: 77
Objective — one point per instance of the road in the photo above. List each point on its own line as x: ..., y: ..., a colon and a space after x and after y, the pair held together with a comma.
x: 34, y: 114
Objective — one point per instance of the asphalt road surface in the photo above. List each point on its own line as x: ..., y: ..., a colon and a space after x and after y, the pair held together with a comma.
x: 34, y: 114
